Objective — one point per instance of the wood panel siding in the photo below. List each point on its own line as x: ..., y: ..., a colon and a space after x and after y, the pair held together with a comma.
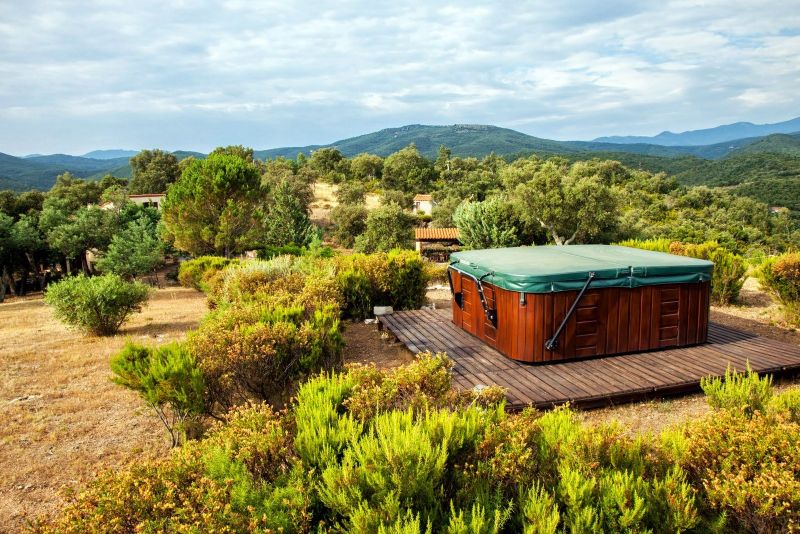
x: 606, y: 321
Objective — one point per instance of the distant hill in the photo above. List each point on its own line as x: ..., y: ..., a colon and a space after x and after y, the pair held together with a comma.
x: 110, y: 154
x: 708, y: 136
x: 462, y: 139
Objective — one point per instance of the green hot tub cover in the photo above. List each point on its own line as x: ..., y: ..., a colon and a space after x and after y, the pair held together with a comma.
x: 547, y: 269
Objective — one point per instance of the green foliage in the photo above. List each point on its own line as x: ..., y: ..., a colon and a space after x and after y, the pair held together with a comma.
x: 487, y: 224
x: 360, y: 451
x: 168, y: 379
x: 781, y: 277
x: 152, y: 171
x: 745, y: 392
x: 134, y: 251
x: 351, y: 193
x: 397, y: 279
x: 729, y: 269
x: 747, y: 468
x: 195, y: 272
x: 98, y: 305
x: 656, y: 245
x: 286, y: 219
x: 349, y: 221
x: 570, y: 203
x: 407, y: 170
x: 387, y: 227
x: 215, y: 206
x: 256, y: 352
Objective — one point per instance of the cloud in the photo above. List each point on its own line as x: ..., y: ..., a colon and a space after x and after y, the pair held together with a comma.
x: 194, y: 75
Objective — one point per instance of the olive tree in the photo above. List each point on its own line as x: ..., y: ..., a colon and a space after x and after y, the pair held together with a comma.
x: 568, y: 203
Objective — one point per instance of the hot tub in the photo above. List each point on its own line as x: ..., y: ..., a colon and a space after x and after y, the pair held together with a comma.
x: 548, y: 303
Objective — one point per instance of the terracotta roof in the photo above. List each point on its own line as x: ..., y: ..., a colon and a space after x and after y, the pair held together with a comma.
x: 147, y: 195
x: 436, y: 234
x: 423, y: 197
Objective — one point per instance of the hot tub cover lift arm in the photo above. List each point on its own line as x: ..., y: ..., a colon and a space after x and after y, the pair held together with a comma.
x: 491, y: 314
x: 552, y: 343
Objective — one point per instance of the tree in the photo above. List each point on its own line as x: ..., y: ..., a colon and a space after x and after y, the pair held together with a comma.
x: 351, y: 193
x: 387, y: 227
x: 74, y: 233
x: 286, y: 220
x: 408, y: 170
x: 366, y: 167
x: 134, y: 251
x: 487, y: 224
x: 325, y: 160
x: 349, y: 221
x: 400, y: 198
x: 215, y: 207
x: 570, y: 206
x: 153, y: 171
x: 246, y: 153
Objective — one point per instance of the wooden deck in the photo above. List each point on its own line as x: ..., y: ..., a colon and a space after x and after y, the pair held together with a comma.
x: 593, y: 382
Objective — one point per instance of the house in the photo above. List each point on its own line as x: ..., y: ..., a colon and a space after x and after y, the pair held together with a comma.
x: 149, y: 200
x: 436, y: 244
x: 423, y: 204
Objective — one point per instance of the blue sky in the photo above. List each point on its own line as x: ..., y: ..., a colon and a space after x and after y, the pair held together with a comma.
x: 77, y: 76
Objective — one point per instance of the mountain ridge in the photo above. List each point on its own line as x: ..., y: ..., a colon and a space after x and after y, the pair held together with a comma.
x: 707, y: 136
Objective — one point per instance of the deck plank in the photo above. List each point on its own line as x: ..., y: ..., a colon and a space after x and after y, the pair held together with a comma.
x: 594, y: 381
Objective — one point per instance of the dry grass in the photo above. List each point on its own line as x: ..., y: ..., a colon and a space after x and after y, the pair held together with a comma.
x: 63, y: 419
x: 325, y: 201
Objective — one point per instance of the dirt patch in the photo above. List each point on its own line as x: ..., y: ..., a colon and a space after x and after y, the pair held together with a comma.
x: 63, y: 419
x: 366, y: 344
x: 657, y: 415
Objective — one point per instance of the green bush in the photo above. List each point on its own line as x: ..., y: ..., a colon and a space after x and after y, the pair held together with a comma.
x: 656, y: 245
x: 729, y: 268
x: 781, y: 277
x: 398, y: 279
x: 98, y: 305
x: 746, y: 392
x: 257, y: 352
x: 168, y: 379
x: 371, y: 451
x: 191, y: 273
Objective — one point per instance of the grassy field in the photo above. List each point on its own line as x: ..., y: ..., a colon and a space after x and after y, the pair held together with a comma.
x: 63, y: 419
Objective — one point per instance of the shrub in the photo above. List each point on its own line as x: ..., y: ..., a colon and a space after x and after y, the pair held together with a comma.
x: 192, y: 272
x: 267, y: 253
x: 729, y: 269
x: 747, y: 468
x: 98, y: 305
x: 257, y: 352
x: 788, y: 403
x: 349, y: 221
x: 781, y: 277
x: 168, y: 379
x: 240, y: 479
x: 387, y: 227
x: 745, y: 392
x: 656, y: 245
x: 487, y: 224
x: 397, y: 279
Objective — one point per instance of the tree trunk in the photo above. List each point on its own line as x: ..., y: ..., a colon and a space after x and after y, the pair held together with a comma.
x: 69, y: 270
x: 3, y: 284
x: 85, y: 264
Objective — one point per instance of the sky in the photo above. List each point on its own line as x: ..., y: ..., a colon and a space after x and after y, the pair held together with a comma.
x: 82, y: 75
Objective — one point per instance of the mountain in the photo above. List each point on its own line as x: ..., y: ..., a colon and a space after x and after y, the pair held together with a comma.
x: 462, y: 139
x: 110, y: 154
x: 708, y: 136
x: 39, y: 172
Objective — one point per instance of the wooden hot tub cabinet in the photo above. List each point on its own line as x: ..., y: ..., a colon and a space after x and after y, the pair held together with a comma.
x: 606, y: 320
